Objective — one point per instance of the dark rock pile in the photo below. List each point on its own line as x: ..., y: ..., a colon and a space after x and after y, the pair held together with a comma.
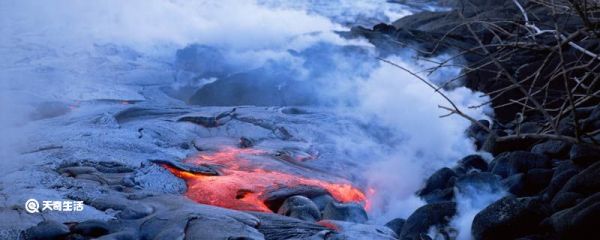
x: 546, y: 198
x: 551, y: 185
x: 433, y: 33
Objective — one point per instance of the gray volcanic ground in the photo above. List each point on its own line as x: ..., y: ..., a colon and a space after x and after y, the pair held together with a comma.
x: 97, y: 98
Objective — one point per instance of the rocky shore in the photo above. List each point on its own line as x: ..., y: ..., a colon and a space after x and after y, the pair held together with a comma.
x: 550, y: 186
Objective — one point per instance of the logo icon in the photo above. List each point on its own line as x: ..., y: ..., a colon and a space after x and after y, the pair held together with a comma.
x: 32, y: 206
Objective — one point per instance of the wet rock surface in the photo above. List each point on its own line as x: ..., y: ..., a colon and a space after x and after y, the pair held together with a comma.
x: 471, y: 162
x: 300, y: 207
x: 348, y: 212
x: 349, y: 230
x: 281, y: 227
x: 579, y: 221
x: 430, y: 215
x: 579, y: 186
x: 542, y: 195
x: 510, y: 163
x: 508, y: 218
x: 584, y: 155
x: 478, y: 180
x: 47, y: 230
x: 439, y: 186
x: 553, y: 149
x: 396, y: 225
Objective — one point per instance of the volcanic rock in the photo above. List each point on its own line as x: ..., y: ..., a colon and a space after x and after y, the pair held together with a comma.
x: 553, y: 149
x: 472, y: 162
x: 278, y: 83
x: 199, y: 169
x: 438, y: 186
x: 138, y: 113
x: 93, y: 178
x: 592, y: 122
x: 300, y: 207
x: 478, y: 181
x: 528, y: 184
x: 123, y: 235
x: 77, y: 170
x: 430, y: 215
x: 510, y: 163
x: 349, y: 212
x: 436, y: 32
x: 246, y: 142
x: 109, y: 201
x: 294, y: 110
x: 322, y: 201
x: 514, y: 184
x: 275, y: 199
x: 135, y: 212
x: 91, y: 228
x: 46, y: 230
x: 201, y: 61
x: 260, y: 87
x: 585, y: 183
x: 508, y: 218
x: 153, y: 177
x: 49, y: 110
x: 477, y: 133
x: 439, y: 195
x: 112, y: 167
x: 580, y: 221
x: 384, y: 28
x: 207, y: 122
x: 178, y: 218
x: 498, y: 147
x: 561, y: 175
x: 198, y: 228
x: 528, y: 127
x: 396, y: 225
x: 350, y: 230
x: 277, y: 227
x: 584, y: 155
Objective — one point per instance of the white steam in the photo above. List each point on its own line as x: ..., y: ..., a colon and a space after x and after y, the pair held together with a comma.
x: 409, y: 108
x: 469, y: 203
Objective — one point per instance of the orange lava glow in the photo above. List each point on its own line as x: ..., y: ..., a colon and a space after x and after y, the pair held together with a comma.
x: 329, y: 225
x: 242, y: 186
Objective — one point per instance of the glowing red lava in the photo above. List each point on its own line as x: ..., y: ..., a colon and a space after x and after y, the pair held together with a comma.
x: 243, y: 187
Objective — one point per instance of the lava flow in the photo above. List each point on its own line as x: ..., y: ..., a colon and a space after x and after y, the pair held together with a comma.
x: 244, y: 187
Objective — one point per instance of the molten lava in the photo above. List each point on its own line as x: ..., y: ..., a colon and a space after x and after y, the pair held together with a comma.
x: 244, y: 186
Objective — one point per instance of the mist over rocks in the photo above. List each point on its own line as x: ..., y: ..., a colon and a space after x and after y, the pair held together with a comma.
x: 301, y: 80
x: 431, y: 215
x: 437, y: 32
x: 537, y: 176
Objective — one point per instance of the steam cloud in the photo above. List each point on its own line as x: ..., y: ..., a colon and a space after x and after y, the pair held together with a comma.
x: 52, y: 51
